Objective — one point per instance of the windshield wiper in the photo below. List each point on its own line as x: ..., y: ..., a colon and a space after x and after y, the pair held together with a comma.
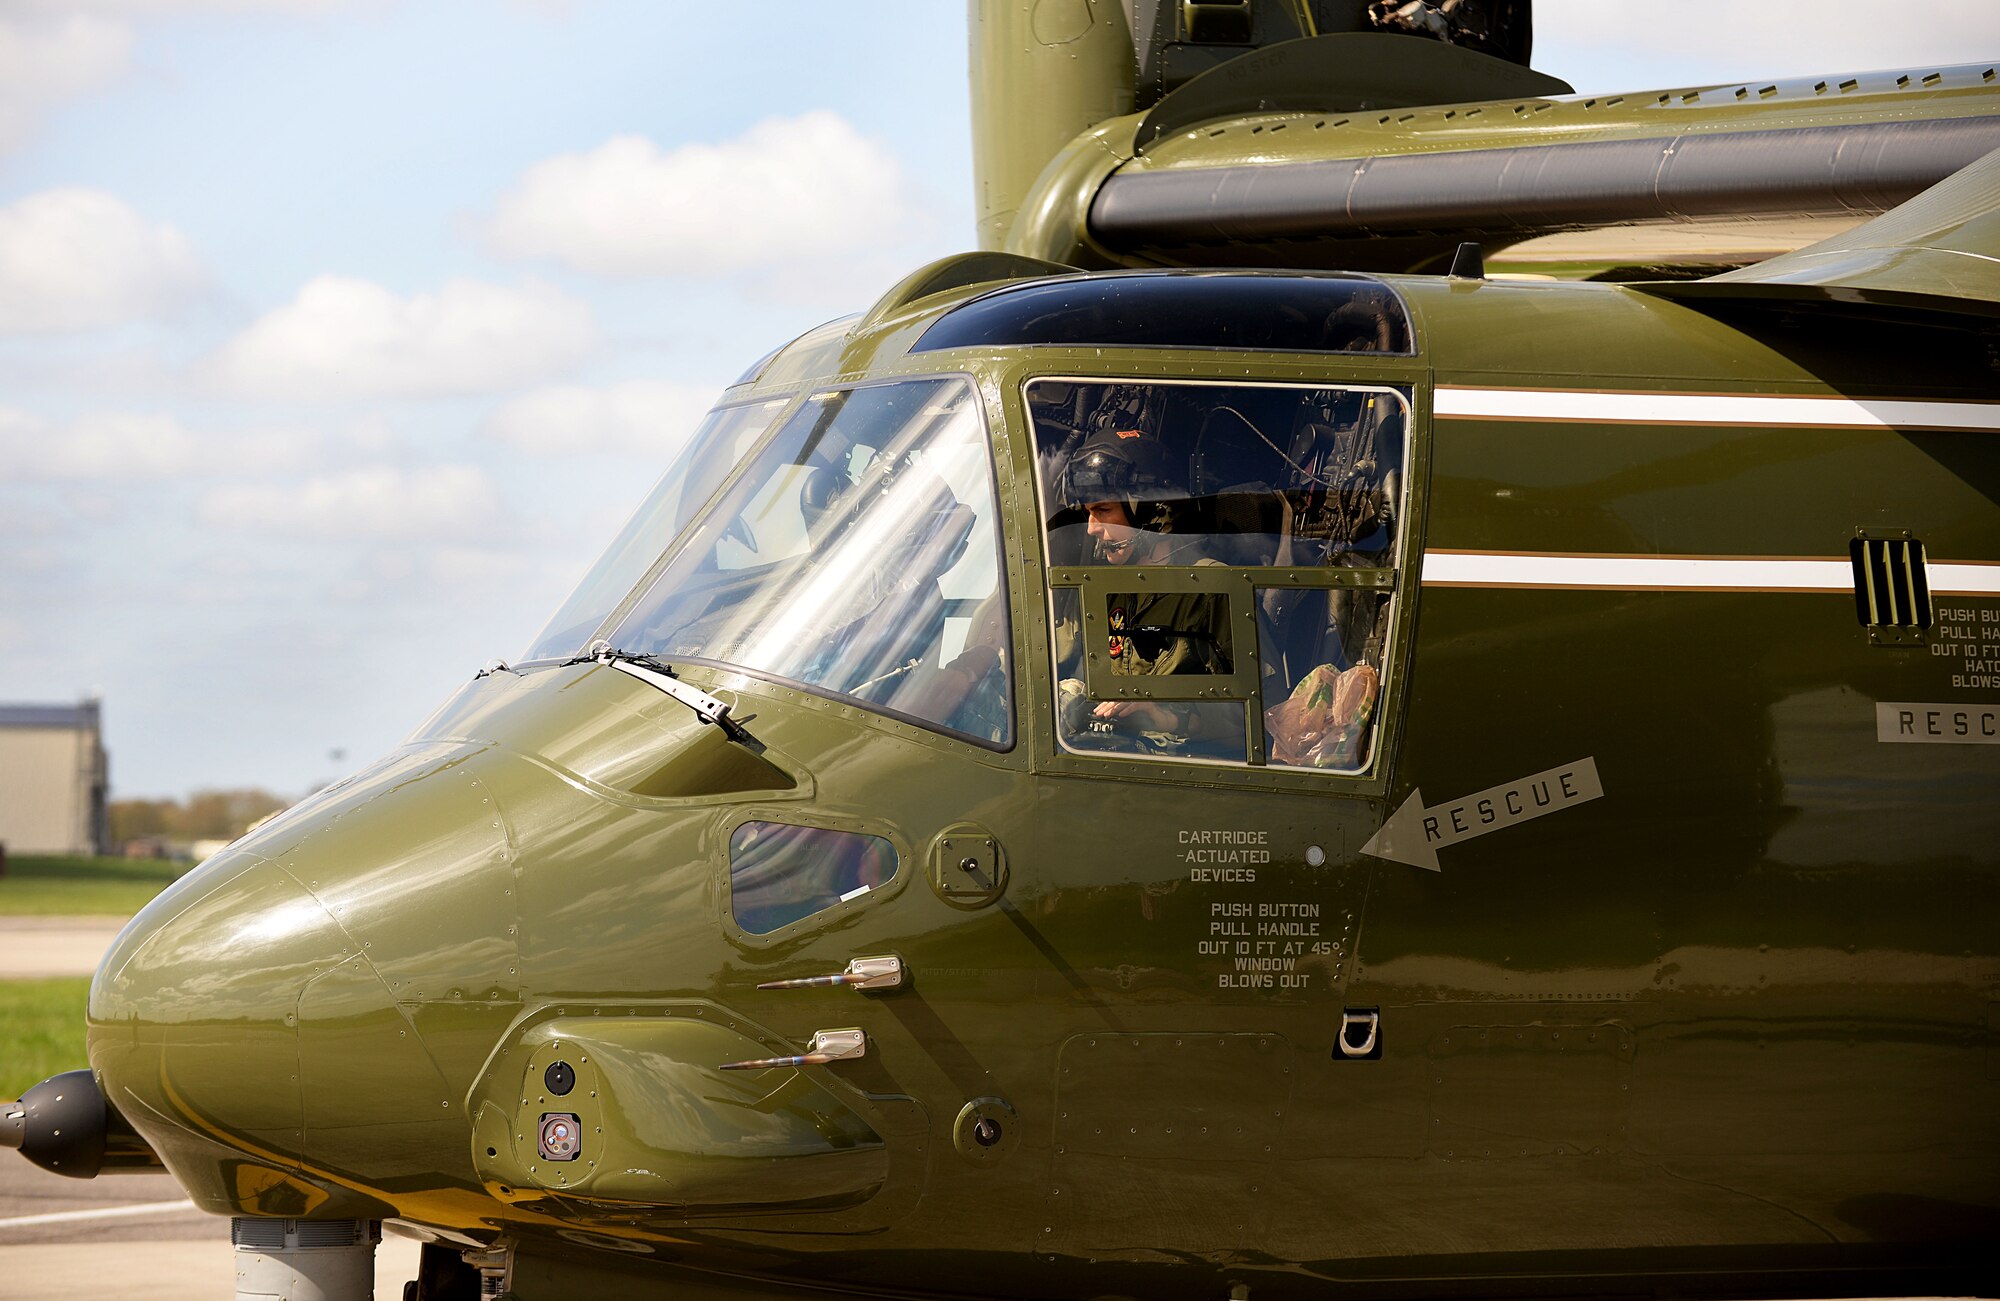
x: 656, y: 673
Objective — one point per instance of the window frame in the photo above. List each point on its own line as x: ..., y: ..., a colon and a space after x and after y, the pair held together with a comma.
x: 1406, y: 376
x: 998, y: 467
x: 836, y: 915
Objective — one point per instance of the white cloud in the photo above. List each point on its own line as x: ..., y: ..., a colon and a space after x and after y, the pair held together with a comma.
x: 34, y: 560
x: 344, y: 338
x: 385, y: 578
x: 56, y: 50
x: 488, y: 569
x: 372, y: 434
x: 79, y: 259
x: 45, y: 62
x: 31, y: 514
x: 95, y: 507
x: 793, y: 189
x: 124, y: 446
x: 445, y: 502
x: 171, y: 8
x: 644, y: 418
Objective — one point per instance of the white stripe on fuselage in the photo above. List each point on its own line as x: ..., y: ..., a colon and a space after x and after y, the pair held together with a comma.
x: 1686, y: 573
x: 1449, y: 568
x: 1571, y: 406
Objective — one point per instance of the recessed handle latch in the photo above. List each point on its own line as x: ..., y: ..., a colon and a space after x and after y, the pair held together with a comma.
x: 881, y: 971
x: 825, y: 1046
x: 1360, y: 1033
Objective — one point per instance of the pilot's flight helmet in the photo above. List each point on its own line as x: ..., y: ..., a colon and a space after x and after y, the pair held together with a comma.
x: 1126, y: 466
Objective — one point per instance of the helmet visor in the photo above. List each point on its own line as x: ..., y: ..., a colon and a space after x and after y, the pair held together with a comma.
x: 1097, y: 474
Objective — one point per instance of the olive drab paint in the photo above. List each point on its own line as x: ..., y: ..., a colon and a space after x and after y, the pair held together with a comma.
x: 1566, y: 853
x: 1738, y: 924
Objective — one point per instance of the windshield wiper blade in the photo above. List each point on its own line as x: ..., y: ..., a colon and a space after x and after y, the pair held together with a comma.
x: 655, y: 673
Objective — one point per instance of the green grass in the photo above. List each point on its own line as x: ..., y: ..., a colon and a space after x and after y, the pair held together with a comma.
x: 54, y: 886
x: 41, y: 1030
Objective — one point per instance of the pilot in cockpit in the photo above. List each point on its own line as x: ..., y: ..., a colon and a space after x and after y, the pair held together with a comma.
x: 1134, y: 506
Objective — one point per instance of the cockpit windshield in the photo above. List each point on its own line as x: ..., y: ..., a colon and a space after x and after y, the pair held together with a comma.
x: 858, y: 553
x: 723, y: 439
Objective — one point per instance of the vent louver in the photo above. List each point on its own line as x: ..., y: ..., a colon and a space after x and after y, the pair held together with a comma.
x: 1892, y: 593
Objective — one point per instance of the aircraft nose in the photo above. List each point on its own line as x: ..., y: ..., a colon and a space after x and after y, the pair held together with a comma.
x: 193, y: 1014
x: 253, y: 1022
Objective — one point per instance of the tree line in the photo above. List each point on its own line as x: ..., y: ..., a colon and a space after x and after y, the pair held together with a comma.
x: 204, y: 815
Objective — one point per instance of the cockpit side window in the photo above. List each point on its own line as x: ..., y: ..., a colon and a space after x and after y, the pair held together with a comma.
x: 780, y: 873
x: 1223, y: 565
x: 858, y: 553
x: 723, y: 438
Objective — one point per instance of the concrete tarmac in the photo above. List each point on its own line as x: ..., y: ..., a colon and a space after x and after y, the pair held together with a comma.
x: 35, y: 947
x: 132, y: 1235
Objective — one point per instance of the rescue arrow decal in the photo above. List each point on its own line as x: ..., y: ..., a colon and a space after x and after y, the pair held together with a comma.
x: 1413, y: 834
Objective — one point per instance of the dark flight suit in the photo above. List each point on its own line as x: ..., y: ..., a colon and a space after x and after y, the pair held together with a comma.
x: 1152, y: 633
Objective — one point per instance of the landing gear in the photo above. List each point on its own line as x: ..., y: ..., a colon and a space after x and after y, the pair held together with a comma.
x: 305, y: 1260
x: 443, y: 1275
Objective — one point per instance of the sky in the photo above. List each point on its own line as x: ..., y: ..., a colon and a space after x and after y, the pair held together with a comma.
x: 338, y: 336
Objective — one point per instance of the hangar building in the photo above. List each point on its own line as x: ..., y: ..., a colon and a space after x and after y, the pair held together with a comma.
x: 53, y: 779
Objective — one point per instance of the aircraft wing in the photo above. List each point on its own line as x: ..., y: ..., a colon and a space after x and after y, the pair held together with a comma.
x: 1940, y: 252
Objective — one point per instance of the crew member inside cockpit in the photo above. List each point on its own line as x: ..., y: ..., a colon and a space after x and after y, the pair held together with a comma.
x: 1133, y: 503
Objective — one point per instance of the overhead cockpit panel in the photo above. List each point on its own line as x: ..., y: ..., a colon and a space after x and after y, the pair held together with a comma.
x: 1244, y: 311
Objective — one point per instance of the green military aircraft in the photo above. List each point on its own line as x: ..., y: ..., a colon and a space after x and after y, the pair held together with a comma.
x: 1219, y: 747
